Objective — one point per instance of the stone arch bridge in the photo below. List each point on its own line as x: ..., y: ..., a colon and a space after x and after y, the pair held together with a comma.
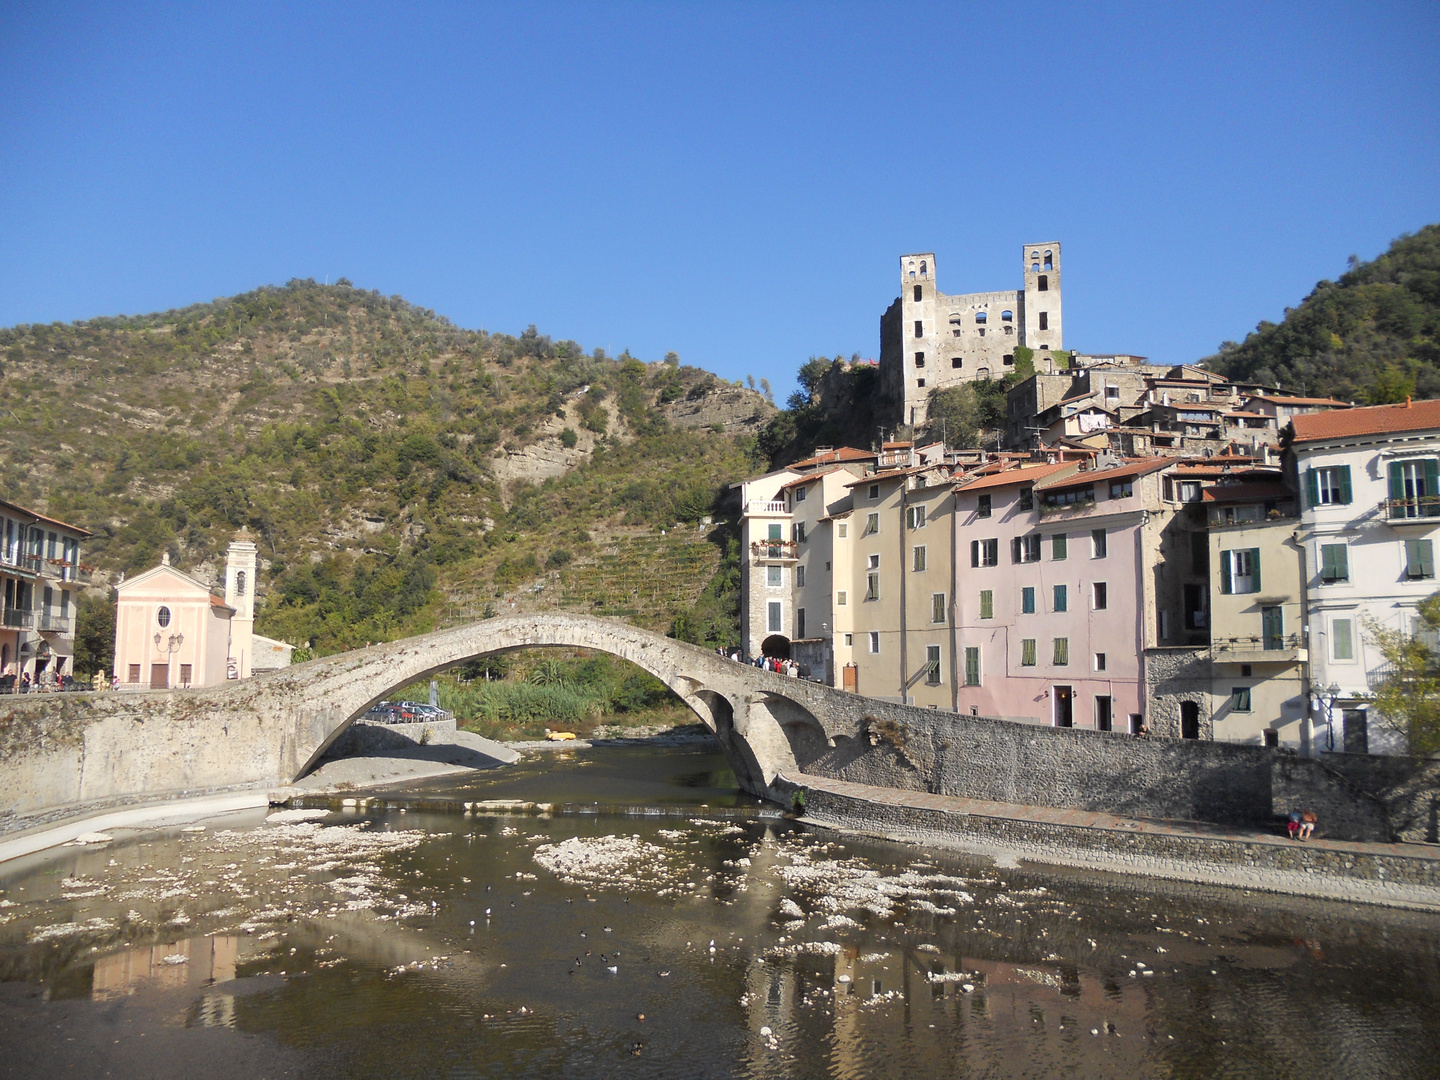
x: 88, y: 750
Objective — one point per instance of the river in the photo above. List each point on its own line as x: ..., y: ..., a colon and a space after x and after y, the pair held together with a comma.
x: 658, y: 923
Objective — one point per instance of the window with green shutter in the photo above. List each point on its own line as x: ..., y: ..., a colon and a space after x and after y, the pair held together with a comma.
x: 1328, y: 486
x: 1240, y: 571
x: 972, y: 666
x: 1334, y: 563
x: 1419, y: 559
x: 1027, y: 652
x: 937, y: 607
x: 987, y: 604
x: 1062, y: 651
x: 1342, y: 639
x: 1240, y: 699
x: 1062, y: 598
x: 1027, y: 600
x: 1059, y: 546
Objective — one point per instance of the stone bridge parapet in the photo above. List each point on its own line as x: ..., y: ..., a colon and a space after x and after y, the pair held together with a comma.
x: 68, y: 754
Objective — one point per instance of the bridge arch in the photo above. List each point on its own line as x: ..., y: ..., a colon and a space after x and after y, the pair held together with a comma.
x: 762, y: 734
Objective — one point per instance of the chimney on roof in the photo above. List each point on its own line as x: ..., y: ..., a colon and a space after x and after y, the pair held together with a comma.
x: 1407, y: 401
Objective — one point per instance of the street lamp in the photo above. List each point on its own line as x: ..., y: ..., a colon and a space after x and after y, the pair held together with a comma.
x: 174, y: 643
x: 1328, y: 698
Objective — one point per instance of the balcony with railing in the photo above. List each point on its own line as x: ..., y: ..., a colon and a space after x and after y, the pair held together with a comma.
x: 1421, y: 508
x: 1259, y: 649
x: 26, y: 564
x: 765, y: 507
x: 16, y: 619
x: 775, y: 550
x: 56, y: 624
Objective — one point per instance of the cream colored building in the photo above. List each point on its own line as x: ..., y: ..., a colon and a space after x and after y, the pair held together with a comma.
x: 1258, y: 649
x: 171, y: 630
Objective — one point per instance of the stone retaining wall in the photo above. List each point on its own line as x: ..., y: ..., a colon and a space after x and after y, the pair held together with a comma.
x: 1122, y: 847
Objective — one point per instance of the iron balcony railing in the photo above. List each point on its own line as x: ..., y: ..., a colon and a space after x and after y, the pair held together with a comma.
x: 29, y: 564
x: 774, y: 549
x: 17, y: 619
x: 1422, y: 507
x: 56, y: 624
x: 1252, y: 643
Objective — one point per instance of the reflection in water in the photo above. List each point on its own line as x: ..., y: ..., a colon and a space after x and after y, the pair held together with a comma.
x: 388, y: 944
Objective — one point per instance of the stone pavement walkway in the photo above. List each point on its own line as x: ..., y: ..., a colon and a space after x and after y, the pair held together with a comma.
x: 1092, y: 819
x: 1391, y: 875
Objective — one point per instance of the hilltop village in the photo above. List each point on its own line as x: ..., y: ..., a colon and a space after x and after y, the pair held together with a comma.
x: 1153, y: 549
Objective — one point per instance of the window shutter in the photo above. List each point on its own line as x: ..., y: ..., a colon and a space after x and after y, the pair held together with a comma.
x: 1397, y: 481
x: 1342, y: 562
x: 974, y: 552
x: 1344, y: 475
x: 1255, y: 569
x: 1432, y: 477
x: 1426, y: 550
x: 1327, y: 562
x: 1225, y: 579
x: 1312, y: 487
x: 1015, y: 549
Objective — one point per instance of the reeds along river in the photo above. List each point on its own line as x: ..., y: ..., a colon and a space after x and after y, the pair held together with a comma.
x: 662, y: 925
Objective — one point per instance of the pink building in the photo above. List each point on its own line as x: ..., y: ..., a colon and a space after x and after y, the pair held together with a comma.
x: 171, y: 630
x: 1052, y: 602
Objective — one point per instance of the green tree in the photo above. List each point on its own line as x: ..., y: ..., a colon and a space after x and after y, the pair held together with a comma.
x: 1408, y: 697
x: 95, y: 632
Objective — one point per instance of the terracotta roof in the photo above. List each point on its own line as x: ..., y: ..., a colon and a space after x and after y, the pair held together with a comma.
x: 1246, y: 493
x: 1286, y: 399
x: 1120, y: 472
x: 810, y: 478
x: 1369, y: 420
x: 1023, y: 475
x: 42, y: 517
x: 895, y: 445
x: 219, y: 601
x: 888, y: 474
x: 840, y: 453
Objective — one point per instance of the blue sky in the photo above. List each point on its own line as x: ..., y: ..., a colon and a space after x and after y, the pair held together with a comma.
x: 731, y: 181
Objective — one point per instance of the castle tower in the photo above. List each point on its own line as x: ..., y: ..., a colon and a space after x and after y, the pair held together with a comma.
x: 919, y: 332
x: 1042, y: 300
x: 240, y: 561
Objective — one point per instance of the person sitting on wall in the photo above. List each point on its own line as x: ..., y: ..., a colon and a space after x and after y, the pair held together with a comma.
x: 1307, y: 824
x: 1293, y: 825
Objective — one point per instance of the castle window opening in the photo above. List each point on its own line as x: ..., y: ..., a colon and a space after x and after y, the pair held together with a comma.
x: 1035, y: 268
x: 956, y: 362
x: 919, y: 359
x: 919, y: 328
x: 1034, y: 255
x: 1009, y: 330
x: 980, y: 317
x: 983, y: 373
x: 1007, y: 359
x: 1042, y: 283
x: 1007, y: 316
x: 1044, y: 320
x: 920, y: 383
x: 917, y: 294
x: 1049, y: 264
x: 923, y: 270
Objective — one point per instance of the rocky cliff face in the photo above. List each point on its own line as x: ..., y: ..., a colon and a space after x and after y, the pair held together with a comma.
x: 733, y: 408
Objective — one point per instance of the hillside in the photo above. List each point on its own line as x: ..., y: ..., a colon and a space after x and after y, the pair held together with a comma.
x: 398, y: 472
x: 1372, y: 336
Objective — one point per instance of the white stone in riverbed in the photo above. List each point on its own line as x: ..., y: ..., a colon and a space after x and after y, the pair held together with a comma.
x: 605, y: 861
x: 291, y: 817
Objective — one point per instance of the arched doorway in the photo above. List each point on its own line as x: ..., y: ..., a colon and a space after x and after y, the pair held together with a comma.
x: 776, y: 646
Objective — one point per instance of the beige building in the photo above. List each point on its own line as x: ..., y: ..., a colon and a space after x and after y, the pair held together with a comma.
x: 41, y: 577
x: 1257, y: 645
x: 172, y: 630
x: 929, y: 340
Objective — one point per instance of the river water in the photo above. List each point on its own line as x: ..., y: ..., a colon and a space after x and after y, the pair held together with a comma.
x: 657, y: 923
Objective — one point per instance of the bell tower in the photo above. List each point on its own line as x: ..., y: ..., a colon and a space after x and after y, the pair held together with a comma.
x: 240, y: 562
x: 1042, y: 300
